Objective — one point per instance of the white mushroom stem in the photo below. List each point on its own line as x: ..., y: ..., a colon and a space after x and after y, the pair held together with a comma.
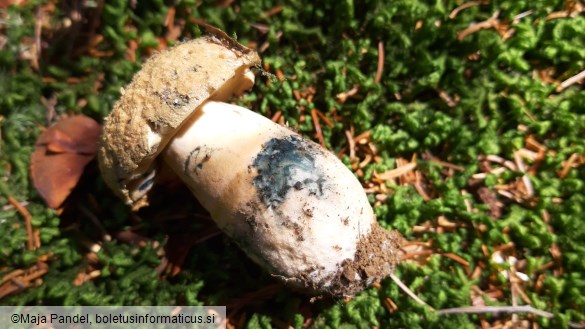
x: 292, y: 206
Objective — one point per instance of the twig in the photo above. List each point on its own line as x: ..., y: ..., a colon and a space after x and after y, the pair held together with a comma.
x: 408, y: 291
x: 351, y: 142
x: 276, y: 116
x: 568, y: 165
x: 380, y: 69
x: 522, y: 168
x: 522, y: 15
x: 469, y: 4
x: 342, y: 97
x: 30, y: 244
x: 324, y: 118
x: 448, y: 99
x: 273, y: 11
x: 397, y: 172
x: 443, y: 163
x: 513, y: 295
x: 19, y: 280
x: 503, y: 309
x: 487, y: 24
x: 419, y: 186
x: 570, y: 81
x: 36, y: 53
x: 318, y: 130
x: 506, y: 163
x: 457, y: 258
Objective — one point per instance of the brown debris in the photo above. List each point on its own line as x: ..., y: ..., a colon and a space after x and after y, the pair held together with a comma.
x: 490, y: 198
x: 19, y: 280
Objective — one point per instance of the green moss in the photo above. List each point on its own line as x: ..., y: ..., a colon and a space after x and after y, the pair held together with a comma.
x: 500, y: 99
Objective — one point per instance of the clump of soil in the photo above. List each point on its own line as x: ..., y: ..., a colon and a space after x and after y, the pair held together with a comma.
x: 376, y: 258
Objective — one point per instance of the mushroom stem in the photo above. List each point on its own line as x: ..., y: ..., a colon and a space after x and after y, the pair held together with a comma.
x: 292, y: 206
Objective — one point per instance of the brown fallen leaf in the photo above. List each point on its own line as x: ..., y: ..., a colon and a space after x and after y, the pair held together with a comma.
x: 74, y: 134
x: 61, y: 153
x: 7, y: 3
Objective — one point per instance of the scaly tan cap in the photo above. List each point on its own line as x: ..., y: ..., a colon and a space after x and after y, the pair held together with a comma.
x: 163, y: 94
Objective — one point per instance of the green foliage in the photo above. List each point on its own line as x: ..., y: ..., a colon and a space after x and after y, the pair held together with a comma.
x: 327, y: 48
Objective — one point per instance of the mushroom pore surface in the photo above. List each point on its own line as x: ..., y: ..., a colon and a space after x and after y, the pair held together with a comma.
x: 291, y: 205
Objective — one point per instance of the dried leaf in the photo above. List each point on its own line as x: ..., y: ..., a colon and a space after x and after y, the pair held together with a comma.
x: 74, y: 134
x: 60, y: 156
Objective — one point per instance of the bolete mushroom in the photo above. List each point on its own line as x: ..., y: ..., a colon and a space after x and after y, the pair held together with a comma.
x: 292, y: 206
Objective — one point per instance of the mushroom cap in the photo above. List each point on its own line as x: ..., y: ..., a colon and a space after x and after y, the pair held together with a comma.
x: 167, y: 90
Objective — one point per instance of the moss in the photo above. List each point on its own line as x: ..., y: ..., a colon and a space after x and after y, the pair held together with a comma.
x: 503, y: 90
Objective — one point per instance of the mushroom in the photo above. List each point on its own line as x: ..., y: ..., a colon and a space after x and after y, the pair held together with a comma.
x: 291, y: 205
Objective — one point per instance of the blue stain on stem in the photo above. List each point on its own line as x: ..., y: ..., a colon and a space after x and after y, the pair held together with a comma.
x: 286, y: 164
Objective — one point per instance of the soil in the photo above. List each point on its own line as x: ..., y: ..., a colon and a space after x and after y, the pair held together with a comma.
x: 376, y: 258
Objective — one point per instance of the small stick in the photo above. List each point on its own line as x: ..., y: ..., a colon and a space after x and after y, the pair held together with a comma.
x: 397, y: 172
x: 522, y: 15
x: 318, y: 128
x: 169, y: 21
x: 487, y: 24
x: 273, y: 11
x: 419, y: 186
x: 570, y: 81
x: 568, y: 165
x: 351, y: 141
x: 469, y: 4
x: 324, y: 118
x: 414, y: 254
x: 276, y: 116
x: 342, y: 97
x: 12, y: 275
x: 30, y: 245
x: 445, y: 164
x: 522, y: 168
x: 366, y: 161
x: 506, y: 163
x: 503, y: 309
x: 456, y: 258
x: 380, y: 69
x: 408, y: 291
x: 38, y: 33
x: 365, y: 135
x: 448, y: 99
x: 513, y: 295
